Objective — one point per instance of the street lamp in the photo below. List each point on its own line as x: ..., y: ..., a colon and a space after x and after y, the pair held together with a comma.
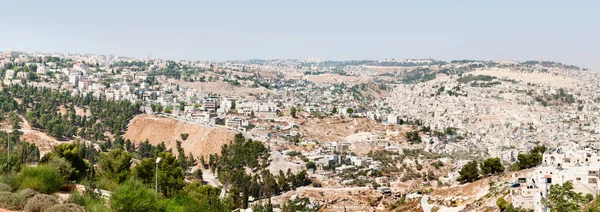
x: 8, y: 149
x: 157, y: 162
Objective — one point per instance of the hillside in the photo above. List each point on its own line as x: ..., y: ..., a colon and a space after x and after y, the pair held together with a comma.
x: 202, y: 140
x: 42, y: 140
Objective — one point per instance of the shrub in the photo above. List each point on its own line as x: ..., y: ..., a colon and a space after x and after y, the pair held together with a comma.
x: 25, y: 195
x: 4, y: 187
x: 95, y: 204
x: 9, y: 179
x: 76, y: 198
x: 9, y: 201
x: 63, y: 166
x: 44, y: 179
x: 70, y: 207
x: 91, y: 201
x: 133, y: 196
x: 40, y: 202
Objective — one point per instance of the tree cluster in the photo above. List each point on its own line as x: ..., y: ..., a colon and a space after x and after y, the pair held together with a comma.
x: 529, y: 160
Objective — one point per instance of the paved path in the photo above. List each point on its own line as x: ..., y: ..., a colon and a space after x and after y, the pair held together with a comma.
x: 333, y: 189
x: 424, y: 204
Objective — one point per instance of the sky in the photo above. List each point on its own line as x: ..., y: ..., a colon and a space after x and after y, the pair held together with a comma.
x: 563, y: 31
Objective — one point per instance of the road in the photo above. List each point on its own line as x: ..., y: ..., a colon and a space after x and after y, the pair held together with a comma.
x: 425, y: 204
x: 333, y: 189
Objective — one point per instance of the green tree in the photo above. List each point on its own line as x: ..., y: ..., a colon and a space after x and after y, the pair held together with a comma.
x: 73, y: 154
x: 181, y: 156
x: 334, y: 110
x: 169, y: 109
x: 502, y: 204
x: 293, y: 111
x: 311, y: 165
x: 350, y: 111
x: 181, y: 106
x: 133, y: 196
x: 157, y: 108
x: 468, y: 173
x: 184, y: 136
x: 115, y: 165
x: 491, y: 166
x: 413, y: 136
x: 532, y: 159
x: 63, y: 166
x: 563, y: 198
x: 206, y: 198
x: 14, y: 119
x: 170, y: 174
x: 298, y: 204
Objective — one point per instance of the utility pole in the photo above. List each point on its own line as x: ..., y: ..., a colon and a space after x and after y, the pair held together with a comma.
x: 546, y: 205
x: 548, y: 180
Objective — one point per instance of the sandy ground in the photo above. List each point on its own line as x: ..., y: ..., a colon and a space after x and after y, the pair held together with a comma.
x: 336, y: 129
x: 345, y: 199
x: 280, y: 164
x: 78, y: 111
x: 203, y: 140
x: 42, y: 140
x: 537, y: 78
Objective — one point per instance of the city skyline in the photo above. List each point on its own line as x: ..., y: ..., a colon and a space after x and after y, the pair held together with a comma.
x: 551, y: 30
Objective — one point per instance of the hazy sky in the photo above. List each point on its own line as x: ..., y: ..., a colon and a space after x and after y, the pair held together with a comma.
x: 564, y: 31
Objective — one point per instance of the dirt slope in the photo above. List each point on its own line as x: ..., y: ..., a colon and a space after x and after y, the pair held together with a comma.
x: 202, y: 140
x: 42, y: 140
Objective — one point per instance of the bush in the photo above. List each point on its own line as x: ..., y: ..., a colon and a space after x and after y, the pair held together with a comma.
x: 9, y: 179
x: 70, y: 207
x: 4, y: 187
x: 25, y: 195
x: 63, y: 166
x: 76, y: 198
x: 9, y: 201
x: 44, y: 179
x: 133, y: 196
x: 95, y: 204
x: 40, y: 202
x: 91, y: 201
x: 589, y: 197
